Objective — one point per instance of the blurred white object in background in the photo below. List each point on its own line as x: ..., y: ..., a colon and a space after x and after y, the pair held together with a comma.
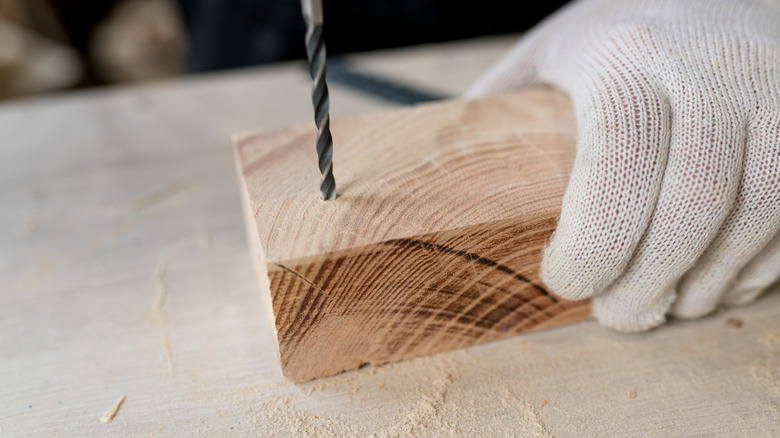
x: 140, y: 39
x: 31, y: 64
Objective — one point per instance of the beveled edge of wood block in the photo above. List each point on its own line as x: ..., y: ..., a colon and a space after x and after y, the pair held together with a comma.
x: 255, y: 248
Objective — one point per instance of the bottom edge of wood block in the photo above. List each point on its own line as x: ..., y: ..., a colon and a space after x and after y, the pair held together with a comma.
x: 413, y: 297
x: 579, y: 312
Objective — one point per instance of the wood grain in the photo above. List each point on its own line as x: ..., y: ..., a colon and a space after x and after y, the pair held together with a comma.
x: 434, y: 242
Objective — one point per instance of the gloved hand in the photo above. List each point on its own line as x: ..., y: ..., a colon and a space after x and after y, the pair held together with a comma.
x: 674, y: 200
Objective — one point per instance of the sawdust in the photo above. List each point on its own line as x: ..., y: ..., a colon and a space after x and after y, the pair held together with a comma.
x: 278, y: 417
x: 421, y: 397
x: 766, y: 371
x: 427, y: 411
x: 424, y: 397
x: 734, y: 323
x: 771, y: 340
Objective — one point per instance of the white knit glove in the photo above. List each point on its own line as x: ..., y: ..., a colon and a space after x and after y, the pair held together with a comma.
x: 674, y: 200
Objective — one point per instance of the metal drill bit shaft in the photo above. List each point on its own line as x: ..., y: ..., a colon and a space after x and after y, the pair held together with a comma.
x: 315, y: 49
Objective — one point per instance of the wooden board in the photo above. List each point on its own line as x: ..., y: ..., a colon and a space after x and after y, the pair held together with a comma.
x: 126, y: 272
x: 435, y: 239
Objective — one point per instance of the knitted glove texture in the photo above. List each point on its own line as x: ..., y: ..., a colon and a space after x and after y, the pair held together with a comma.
x: 673, y: 206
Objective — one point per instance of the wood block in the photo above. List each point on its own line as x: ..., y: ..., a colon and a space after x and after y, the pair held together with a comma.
x: 434, y: 241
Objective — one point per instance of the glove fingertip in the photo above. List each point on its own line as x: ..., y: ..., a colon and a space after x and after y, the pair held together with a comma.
x: 624, y: 314
x: 562, y: 275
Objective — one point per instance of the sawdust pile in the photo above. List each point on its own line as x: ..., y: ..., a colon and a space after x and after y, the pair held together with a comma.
x: 427, y: 399
x: 766, y: 371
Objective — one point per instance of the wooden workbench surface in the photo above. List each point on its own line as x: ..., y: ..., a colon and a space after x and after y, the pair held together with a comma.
x: 126, y: 273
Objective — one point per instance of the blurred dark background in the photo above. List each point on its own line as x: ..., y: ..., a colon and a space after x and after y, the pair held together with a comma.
x: 48, y: 45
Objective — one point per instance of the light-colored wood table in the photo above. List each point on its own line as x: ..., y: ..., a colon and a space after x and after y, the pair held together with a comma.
x: 126, y: 273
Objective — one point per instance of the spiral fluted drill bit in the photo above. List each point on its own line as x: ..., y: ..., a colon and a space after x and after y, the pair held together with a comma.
x: 315, y: 49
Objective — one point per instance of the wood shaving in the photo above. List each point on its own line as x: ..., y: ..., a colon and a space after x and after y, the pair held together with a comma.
x: 734, y: 323
x: 109, y: 415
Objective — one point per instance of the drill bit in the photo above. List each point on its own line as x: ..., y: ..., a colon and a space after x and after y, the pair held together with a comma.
x: 315, y: 49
